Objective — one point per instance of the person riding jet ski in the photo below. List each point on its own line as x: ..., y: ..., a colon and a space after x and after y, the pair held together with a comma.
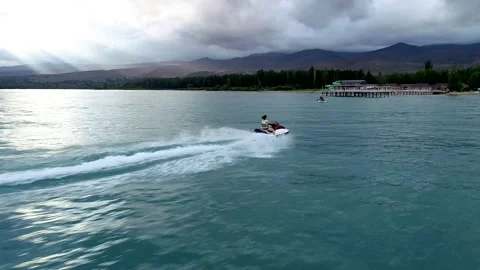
x: 267, y: 125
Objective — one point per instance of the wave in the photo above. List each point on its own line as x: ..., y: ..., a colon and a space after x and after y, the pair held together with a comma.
x: 254, y: 147
x: 206, y: 135
x: 185, y: 138
x: 186, y: 154
x: 110, y: 162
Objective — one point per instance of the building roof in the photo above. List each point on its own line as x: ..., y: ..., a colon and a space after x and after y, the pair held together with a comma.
x: 352, y: 81
x: 416, y: 85
x: 440, y: 85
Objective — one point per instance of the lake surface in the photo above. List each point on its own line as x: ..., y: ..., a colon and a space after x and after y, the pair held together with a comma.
x: 178, y: 180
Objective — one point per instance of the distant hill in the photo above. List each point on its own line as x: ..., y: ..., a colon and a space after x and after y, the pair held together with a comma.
x: 22, y: 70
x: 400, y: 57
x: 92, y: 75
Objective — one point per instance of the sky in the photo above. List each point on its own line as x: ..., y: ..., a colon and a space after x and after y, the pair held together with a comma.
x: 134, y: 31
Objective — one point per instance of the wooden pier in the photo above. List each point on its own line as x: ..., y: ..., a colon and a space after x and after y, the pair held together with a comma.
x: 378, y: 93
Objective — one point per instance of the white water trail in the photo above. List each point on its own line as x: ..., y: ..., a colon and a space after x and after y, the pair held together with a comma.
x: 188, y: 158
x: 111, y: 162
x: 256, y: 146
x: 206, y: 135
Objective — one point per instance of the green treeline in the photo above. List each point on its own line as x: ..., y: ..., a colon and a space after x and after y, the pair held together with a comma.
x: 311, y: 79
x: 269, y: 79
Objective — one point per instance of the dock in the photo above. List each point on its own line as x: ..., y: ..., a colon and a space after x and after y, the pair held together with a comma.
x: 378, y: 93
x: 360, y: 88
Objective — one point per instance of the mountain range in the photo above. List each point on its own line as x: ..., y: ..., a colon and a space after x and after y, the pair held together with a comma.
x: 400, y: 57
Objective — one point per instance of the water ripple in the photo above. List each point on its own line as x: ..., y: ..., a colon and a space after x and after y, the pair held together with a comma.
x: 360, y: 184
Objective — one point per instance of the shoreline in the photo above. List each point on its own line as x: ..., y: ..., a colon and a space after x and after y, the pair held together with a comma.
x: 179, y: 90
x: 311, y: 91
x: 469, y: 93
x: 250, y: 90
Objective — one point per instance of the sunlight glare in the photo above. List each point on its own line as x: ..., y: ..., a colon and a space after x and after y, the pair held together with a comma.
x: 40, y: 26
x: 63, y: 28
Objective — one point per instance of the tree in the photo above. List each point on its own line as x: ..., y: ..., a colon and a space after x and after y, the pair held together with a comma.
x: 320, y: 79
x: 431, y: 76
x: 474, y: 81
x: 312, y: 72
x: 454, y: 81
x: 229, y: 84
x: 428, y: 65
x: 381, y: 79
x: 370, y: 78
x: 421, y: 76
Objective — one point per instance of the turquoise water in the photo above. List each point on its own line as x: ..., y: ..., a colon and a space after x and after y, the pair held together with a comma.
x: 177, y: 180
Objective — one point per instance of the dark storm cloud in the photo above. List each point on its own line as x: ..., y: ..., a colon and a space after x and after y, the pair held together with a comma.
x: 269, y: 24
x: 261, y: 25
x: 153, y: 30
x: 464, y: 12
x: 317, y: 14
x: 231, y: 24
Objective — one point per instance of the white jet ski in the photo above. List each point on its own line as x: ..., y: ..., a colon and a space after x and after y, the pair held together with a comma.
x: 321, y: 101
x: 278, y: 130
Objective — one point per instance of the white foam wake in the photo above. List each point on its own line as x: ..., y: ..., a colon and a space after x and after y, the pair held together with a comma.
x: 256, y: 146
x: 187, y: 158
x: 206, y: 135
x: 111, y: 162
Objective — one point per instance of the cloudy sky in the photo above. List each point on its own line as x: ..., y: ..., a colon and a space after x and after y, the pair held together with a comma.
x: 129, y: 31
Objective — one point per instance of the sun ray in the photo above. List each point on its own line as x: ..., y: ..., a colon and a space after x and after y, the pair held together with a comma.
x: 64, y: 31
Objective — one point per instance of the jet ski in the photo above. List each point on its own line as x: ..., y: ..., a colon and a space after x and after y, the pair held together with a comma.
x: 319, y: 100
x: 278, y: 130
